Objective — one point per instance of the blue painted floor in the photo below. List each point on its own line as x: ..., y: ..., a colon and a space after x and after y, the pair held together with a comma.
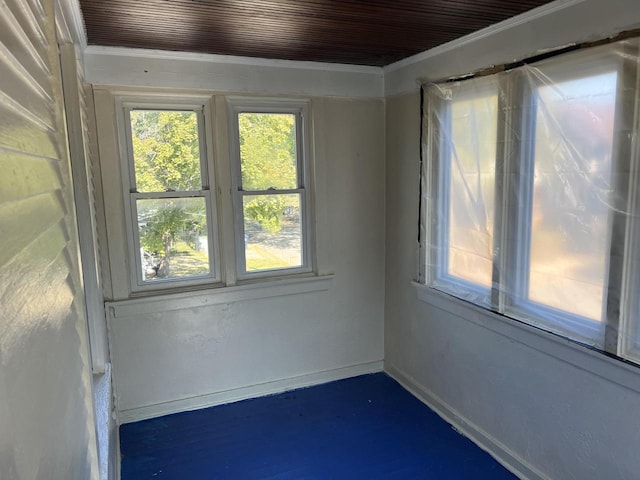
x: 366, y: 427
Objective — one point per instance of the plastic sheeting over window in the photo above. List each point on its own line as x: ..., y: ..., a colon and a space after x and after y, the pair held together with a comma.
x: 530, y: 203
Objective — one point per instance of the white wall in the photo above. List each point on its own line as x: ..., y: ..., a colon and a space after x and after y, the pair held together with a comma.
x: 46, y: 420
x: 546, y: 407
x: 175, y: 352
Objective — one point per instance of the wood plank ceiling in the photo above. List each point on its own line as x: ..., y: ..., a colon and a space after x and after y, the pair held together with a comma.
x: 361, y: 32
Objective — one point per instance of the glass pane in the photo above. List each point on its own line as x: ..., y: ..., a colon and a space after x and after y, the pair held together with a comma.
x: 272, y: 232
x: 166, y: 150
x: 570, y: 214
x: 471, y: 188
x: 173, y: 237
x: 268, y: 151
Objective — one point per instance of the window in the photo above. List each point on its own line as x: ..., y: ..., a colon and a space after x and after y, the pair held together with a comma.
x: 270, y: 174
x: 528, y: 210
x: 564, y: 238
x: 172, y: 209
x: 167, y: 189
x: 467, y: 185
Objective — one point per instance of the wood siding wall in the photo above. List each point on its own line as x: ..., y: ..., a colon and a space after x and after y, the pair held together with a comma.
x: 46, y: 420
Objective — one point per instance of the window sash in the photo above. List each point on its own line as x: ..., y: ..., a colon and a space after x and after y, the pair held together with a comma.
x: 237, y: 106
x: 299, y: 137
x: 440, y: 277
x: 241, y: 259
x: 581, y: 65
x: 160, y: 107
x: 199, y: 105
x: 174, y: 281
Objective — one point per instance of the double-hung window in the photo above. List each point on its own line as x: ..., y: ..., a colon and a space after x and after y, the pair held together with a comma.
x: 168, y: 200
x: 174, y: 204
x: 270, y: 175
x: 530, y: 204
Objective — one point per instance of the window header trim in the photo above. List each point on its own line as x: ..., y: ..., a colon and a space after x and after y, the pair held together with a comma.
x: 505, y: 67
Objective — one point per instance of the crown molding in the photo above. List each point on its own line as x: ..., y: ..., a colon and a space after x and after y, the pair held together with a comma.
x: 224, y: 73
x: 71, y: 20
x: 230, y: 59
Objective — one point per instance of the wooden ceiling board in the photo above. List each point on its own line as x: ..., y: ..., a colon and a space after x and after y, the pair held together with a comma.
x: 361, y: 32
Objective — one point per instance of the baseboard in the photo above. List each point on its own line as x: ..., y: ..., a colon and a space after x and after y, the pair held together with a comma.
x: 116, y: 458
x: 511, y: 461
x: 251, y: 391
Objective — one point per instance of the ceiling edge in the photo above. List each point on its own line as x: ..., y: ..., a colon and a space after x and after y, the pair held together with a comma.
x: 512, y: 22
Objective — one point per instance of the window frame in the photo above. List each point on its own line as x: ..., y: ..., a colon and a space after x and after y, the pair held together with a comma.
x: 201, y: 107
x: 624, y: 340
x: 619, y: 328
x: 300, y: 109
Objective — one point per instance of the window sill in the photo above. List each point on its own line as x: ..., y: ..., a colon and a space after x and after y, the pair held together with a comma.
x: 612, y: 369
x: 215, y: 296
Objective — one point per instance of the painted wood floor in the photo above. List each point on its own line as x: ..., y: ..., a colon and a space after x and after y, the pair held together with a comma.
x: 365, y: 427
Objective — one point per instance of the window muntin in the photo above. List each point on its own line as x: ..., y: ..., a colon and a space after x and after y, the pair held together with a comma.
x: 172, y: 239
x: 270, y: 195
x: 565, y: 229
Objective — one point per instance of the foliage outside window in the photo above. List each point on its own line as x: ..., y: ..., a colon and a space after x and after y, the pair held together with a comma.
x: 528, y: 209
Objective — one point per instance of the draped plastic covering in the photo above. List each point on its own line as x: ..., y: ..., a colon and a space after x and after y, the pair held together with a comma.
x: 529, y: 194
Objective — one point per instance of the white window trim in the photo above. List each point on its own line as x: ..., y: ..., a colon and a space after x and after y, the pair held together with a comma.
x: 200, y: 105
x: 299, y: 108
x: 78, y: 128
x: 181, y: 300
x: 628, y: 341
